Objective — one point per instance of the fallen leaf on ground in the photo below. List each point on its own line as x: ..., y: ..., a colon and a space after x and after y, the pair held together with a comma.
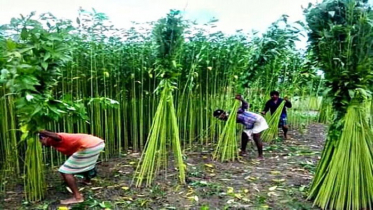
x: 278, y: 180
x: 134, y: 154
x: 272, y: 193
x: 125, y: 188
x: 193, y: 198
x: 302, y: 188
x: 230, y: 201
x: 191, y: 191
x: 275, y: 172
x: 113, y: 186
x: 246, y: 199
x: 272, y: 188
x: 251, y: 178
x: 209, y: 165
x: 255, y: 162
x: 238, y: 195
x: 127, y: 198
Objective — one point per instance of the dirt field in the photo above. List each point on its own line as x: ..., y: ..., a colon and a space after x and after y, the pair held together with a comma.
x: 278, y: 182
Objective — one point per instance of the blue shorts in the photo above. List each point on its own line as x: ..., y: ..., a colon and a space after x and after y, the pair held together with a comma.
x: 283, y: 120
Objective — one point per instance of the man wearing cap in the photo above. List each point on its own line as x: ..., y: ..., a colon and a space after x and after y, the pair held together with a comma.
x: 253, y: 124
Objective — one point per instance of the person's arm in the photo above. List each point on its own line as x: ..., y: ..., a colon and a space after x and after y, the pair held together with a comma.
x: 287, y: 102
x: 266, y: 108
x: 244, y: 104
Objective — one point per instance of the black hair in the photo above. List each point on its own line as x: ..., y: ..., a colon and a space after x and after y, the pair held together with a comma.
x: 273, y: 93
x: 50, y: 134
x: 218, y: 112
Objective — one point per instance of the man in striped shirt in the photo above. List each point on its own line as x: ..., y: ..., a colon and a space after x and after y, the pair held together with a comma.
x: 253, y: 124
x: 83, y: 151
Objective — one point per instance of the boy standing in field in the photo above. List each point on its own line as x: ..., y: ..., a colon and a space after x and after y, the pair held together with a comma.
x: 272, y: 106
x: 83, y: 151
x: 253, y: 123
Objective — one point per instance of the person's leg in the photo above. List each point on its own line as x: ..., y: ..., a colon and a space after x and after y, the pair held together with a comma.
x: 87, y: 180
x: 285, y: 129
x: 244, y: 141
x: 283, y: 125
x: 259, y: 144
x: 71, y: 183
x: 89, y: 175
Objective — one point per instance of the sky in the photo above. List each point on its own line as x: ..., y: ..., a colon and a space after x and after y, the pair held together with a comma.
x: 232, y: 14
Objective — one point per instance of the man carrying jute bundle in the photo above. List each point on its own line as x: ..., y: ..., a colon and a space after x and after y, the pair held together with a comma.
x: 272, y: 106
x: 253, y: 124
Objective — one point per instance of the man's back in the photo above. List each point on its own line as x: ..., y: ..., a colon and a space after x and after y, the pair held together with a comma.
x: 72, y: 142
x: 247, y: 119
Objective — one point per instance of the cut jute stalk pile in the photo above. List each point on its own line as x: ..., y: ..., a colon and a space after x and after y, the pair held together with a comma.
x: 164, y: 134
x: 226, y: 149
x: 350, y: 164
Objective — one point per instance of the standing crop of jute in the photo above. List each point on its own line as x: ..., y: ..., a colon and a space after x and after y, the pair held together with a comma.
x: 33, y: 68
x: 226, y: 150
x: 273, y: 122
x: 341, y: 35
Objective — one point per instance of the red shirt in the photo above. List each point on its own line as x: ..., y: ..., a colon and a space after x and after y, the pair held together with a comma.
x: 71, y: 142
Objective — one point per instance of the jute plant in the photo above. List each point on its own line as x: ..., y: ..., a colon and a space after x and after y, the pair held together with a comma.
x: 168, y: 38
x: 341, y: 35
x: 353, y: 153
x: 227, y: 150
x: 155, y: 155
x: 273, y: 121
x: 31, y: 73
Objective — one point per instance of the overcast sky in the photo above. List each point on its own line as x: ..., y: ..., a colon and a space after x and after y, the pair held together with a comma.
x: 232, y: 14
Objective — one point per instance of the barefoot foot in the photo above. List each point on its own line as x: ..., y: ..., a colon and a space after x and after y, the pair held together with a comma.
x: 88, y: 183
x: 260, y: 158
x: 72, y: 201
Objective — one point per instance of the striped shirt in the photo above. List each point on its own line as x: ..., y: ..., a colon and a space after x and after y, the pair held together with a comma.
x: 247, y: 119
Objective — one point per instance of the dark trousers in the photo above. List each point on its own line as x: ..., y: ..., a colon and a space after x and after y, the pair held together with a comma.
x: 244, y: 141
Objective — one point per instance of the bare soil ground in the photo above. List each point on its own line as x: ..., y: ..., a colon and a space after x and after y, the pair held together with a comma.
x: 278, y: 182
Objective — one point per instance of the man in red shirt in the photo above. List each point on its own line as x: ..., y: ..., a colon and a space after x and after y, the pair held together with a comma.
x: 83, y: 151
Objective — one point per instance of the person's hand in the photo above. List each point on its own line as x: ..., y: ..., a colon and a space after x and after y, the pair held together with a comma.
x: 238, y: 97
x: 286, y: 98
